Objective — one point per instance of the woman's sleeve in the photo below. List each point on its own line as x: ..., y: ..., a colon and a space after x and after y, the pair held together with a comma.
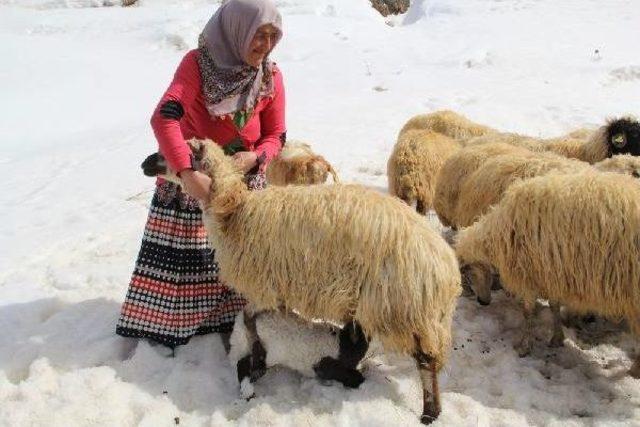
x: 166, y: 118
x: 272, y: 124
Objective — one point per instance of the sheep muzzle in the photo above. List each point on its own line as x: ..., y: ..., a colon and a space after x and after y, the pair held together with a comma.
x: 154, y: 165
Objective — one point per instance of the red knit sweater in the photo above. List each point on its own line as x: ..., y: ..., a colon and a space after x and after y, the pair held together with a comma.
x: 261, y: 134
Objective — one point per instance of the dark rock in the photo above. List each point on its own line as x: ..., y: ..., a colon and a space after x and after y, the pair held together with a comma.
x: 390, y: 7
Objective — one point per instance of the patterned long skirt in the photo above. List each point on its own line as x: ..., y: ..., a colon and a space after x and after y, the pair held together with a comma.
x: 174, y: 292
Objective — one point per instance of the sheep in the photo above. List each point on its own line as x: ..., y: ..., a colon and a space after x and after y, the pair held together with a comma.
x: 447, y: 123
x: 617, y: 136
x: 623, y: 163
x: 454, y: 172
x: 486, y: 185
x: 515, y: 139
x: 342, y: 253
x: 571, y: 239
x: 297, y: 164
x: 414, y: 164
x: 425, y: 142
x: 314, y: 349
x: 423, y: 145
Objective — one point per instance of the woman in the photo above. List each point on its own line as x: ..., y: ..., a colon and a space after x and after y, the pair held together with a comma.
x: 229, y: 91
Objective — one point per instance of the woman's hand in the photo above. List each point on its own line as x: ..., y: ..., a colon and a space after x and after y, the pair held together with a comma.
x: 196, y: 184
x: 245, y: 160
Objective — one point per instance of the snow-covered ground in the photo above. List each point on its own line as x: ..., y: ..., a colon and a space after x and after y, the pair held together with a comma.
x: 78, y: 84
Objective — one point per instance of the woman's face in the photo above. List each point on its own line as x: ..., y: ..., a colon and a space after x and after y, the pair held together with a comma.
x: 263, y: 41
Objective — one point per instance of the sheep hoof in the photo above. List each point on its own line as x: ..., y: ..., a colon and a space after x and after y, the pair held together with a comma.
x: 430, y: 413
x: 427, y: 419
x: 523, y: 348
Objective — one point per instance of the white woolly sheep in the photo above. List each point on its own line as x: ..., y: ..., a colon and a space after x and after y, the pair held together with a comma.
x: 571, y: 239
x: 414, y: 164
x: 341, y: 253
x: 486, y: 185
x: 623, y: 163
x: 297, y: 164
x: 515, y: 139
x: 314, y: 349
x: 447, y: 123
x: 457, y: 169
x: 423, y: 145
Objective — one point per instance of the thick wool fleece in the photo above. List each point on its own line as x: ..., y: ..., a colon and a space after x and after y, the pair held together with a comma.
x: 335, y: 253
x: 572, y: 239
x: 457, y: 169
x: 297, y: 164
x: 486, y: 186
x: 414, y: 164
x: 447, y: 123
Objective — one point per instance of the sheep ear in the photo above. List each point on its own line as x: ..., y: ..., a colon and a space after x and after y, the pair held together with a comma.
x: 619, y: 140
x: 154, y: 165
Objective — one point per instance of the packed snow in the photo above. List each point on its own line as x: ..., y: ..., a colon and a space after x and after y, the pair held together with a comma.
x: 79, y: 81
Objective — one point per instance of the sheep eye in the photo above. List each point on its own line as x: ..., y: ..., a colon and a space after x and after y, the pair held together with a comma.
x: 619, y: 140
x: 635, y: 174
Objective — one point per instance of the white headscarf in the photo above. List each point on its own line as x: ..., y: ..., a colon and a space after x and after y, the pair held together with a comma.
x: 228, y: 83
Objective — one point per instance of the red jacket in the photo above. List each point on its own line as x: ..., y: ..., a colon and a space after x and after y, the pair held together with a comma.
x: 262, y: 133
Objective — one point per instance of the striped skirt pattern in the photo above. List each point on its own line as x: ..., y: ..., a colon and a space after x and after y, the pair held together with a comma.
x: 174, y: 292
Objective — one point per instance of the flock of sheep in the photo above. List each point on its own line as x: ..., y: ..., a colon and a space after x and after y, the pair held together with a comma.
x: 555, y: 219
x: 550, y: 227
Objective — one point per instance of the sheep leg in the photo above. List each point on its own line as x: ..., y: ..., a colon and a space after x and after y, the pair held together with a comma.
x: 496, y: 284
x: 258, y: 352
x: 635, y: 369
x: 331, y: 369
x: 557, y: 340
x: 353, y: 344
x: 421, y: 207
x: 526, y: 342
x: 429, y: 379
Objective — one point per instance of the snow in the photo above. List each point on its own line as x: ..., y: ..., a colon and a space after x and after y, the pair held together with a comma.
x: 78, y: 85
